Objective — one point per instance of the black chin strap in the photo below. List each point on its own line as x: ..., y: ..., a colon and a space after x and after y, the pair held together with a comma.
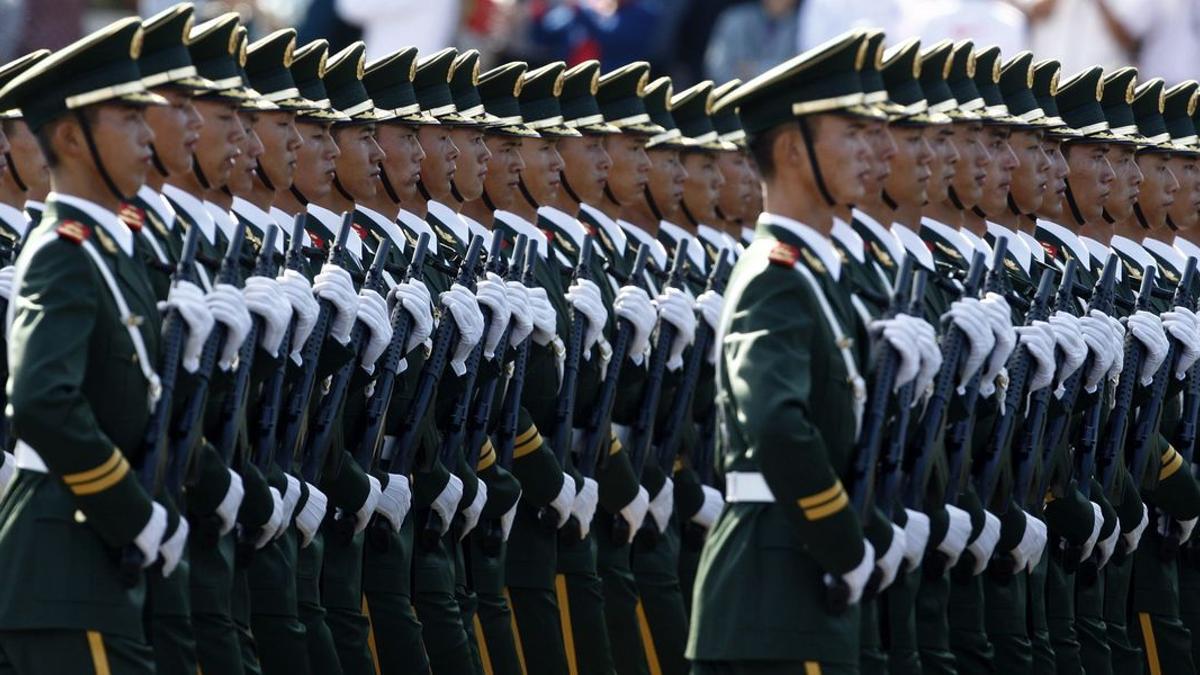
x: 95, y: 152
x: 950, y: 192
x: 562, y: 178
x: 423, y: 190
x: 157, y: 161
x: 337, y: 185
x: 12, y: 169
x: 721, y: 215
x: 200, y: 173
x: 610, y: 196
x: 1141, y: 216
x: 979, y: 212
x: 298, y: 195
x: 387, y: 185
x: 525, y: 192
x: 487, y: 201
x: 261, y: 172
x: 687, y: 213
x: 1171, y: 224
x: 806, y: 134
x: 455, y: 193
x: 1075, y: 212
x: 1107, y: 217
x: 653, y: 205
x: 1012, y: 206
x: 887, y: 199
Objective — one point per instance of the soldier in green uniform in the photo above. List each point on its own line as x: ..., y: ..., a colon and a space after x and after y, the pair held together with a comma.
x: 75, y: 500
x: 789, y: 520
x: 21, y: 154
x: 741, y: 183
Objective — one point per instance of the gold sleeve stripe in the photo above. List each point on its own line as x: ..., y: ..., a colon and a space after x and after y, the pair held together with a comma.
x: 528, y: 446
x: 99, y: 653
x: 104, y: 482
x: 487, y: 456
x: 822, y: 496
x: 525, y: 435
x: 1170, y: 466
x: 92, y: 474
x: 614, y: 445
x: 828, y: 509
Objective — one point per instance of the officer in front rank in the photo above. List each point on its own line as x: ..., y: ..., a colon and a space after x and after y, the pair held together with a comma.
x: 84, y: 340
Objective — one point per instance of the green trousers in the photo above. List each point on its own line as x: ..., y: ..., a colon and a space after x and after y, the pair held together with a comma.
x: 933, y: 628
x: 580, y: 596
x: 1007, y: 622
x: 1189, y: 598
x: 169, y: 628
x: 437, y: 608
x: 59, y: 652
x: 530, y: 564
x: 395, y: 637
x: 871, y: 660
x: 1039, y: 627
x: 211, y: 583
x: 1094, y: 652
x: 655, y: 563
x: 973, y: 652
x: 341, y: 594
x: 1127, y: 659
x: 274, y: 615
x: 772, y: 668
x: 493, y: 624
x: 1156, y: 625
x: 240, y: 605
x: 1060, y: 616
x: 322, y: 653
x: 898, y: 624
x: 623, y: 612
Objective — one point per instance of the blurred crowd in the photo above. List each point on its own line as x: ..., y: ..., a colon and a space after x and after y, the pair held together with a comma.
x: 687, y: 39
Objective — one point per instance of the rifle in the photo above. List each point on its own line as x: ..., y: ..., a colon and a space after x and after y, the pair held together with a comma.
x: 870, y: 437
x: 1019, y: 368
x: 1103, y: 300
x: 266, y: 449
x: 329, y: 408
x: 564, y: 410
x: 1059, y: 418
x: 9, y: 259
x: 174, y: 330
x: 295, y: 411
x: 642, y: 431
x: 1185, y: 436
x: 1118, y: 417
x: 455, y: 431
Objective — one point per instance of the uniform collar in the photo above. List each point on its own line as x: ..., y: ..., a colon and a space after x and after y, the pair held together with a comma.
x: 450, y: 218
x: 952, y: 237
x: 820, y: 244
x: 477, y: 229
x: 695, y: 251
x: 159, y: 204
x: 16, y: 219
x: 722, y: 241
x: 914, y: 245
x: 610, y: 227
x: 285, y: 221
x: 1134, y: 250
x: 1017, y: 248
x: 747, y: 235
x: 521, y: 226
x: 1079, y: 250
x: 568, y: 225
x: 259, y: 220
x: 850, y: 240
x: 333, y: 223
x: 35, y: 205
x: 195, y: 210
x: 222, y: 218
x: 106, y: 219
x: 879, y: 233
x: 1186, y: 248
x: 658, y: 252
x: 1166, y: 252
x: 389, y: 227
x: 1035, y: 249
x: 1099, y: 253
x: 413, y: 223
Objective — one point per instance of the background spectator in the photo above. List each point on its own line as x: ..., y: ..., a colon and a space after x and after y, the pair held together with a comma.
x: 748, y: 39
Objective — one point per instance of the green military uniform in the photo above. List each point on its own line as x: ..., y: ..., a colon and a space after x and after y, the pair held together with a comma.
x: 78, y: 396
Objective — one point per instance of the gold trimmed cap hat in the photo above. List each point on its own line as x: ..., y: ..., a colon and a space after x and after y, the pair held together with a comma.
x: 464, y: 88
x: 11, y: 70
x: 658, y: 104
x: 692, y: 110
x: 498, y: 90
x: 620, y: 95
x: 901, y: 75
x: 1016, y: 85
x: 1116, y: 99
x: 538, y: 98
x: 165, y: 59
x: 343, y: 84
x: 268, y: 70
x: 1078, y: 101
x: 578, y: 100
x: 432, y: 85
x: 725, y: 120
x: 1045, y: 88
x: 1149, y: 101
x: 389, y: 83
x: 1178, y: 110
x: 936, y: 64
x: 98, y: 68
x: 308, y: 71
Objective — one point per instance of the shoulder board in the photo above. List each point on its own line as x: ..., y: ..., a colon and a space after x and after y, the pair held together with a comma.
x: 132, y: 216
x: 252, y: 236
x: 1012, y: 266
x: 784, y: 254
x: 362, y: 231
x: 74, y: 231
x: 1051, y: 250
x: 813, y: 262
x: 317, y: 241
x: 881, y: 255
x: 948, y: 250
x: 1135, y: 273
x: 564, y: 242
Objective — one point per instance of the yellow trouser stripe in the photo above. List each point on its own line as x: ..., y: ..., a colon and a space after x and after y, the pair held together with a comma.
x: 564, y: 618
x: 648, y: 641
x: 99, y: 655
x: 515, y: 631
x: 822, y: 496
x: 812, y: 668
x: 1151, y: 645
x: 487, y: 456
x: 484, y: 656
x: 371, y: 635
x: 92, y: 474
x: 828, y: 509
x: 528, y: 446
x: 1171, y: 465
x: 526, y: 435
x: 104, y: 482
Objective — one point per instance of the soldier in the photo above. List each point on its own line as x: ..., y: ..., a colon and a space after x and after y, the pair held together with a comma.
x: 741, y: 183
x: 97, y: 147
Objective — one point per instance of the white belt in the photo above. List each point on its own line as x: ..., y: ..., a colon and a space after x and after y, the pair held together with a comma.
x: 745, y: 486
x: 28, y: 458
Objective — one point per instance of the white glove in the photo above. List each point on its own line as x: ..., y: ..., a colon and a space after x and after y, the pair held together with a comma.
x: 1106, y: 547
x: 229, y: 308
x: 6, y: 279
x: 471, y: 513
x: 492, y: 293
x: 171, y: 549
x: 635, y: 511
x: 902, y: 337
x: 955, y: 541
x: 363, y: 515
x: 1147, y: 328
x: 889, y: 563
x: 709, y: 304
x: 1116, y: 334
x: 1025, y: 549
x: 414, y: 297
x: 1097, y: 334
x: 1039, y: 531
x: 333, y: 283
x: 1181, y: 323
x: 228, y: 508
x: 545, y: 326
x: 395, y: 501
x: 271, y: 528
x: 522, y: 315
x: 461, y: 305
x: 1038, y: 340
x: 291, y: 496
x: 296, y: 290
x: 971, y: 319
x: 373, y: 312
x: 1068, y: 335
x: 662, y: 504
x: 565, y: 500
x: 931, y: 354
x: 7, y: 471
x: 584, y: 296
x: 506, y: 520
x: 858, y: 577
x: 584, y: 508
x: 1000, y: 318
x: 263, y: 297
x: 985, y: 544
x: 633, y: 305
x: 1097, y: 525
x: 710, y: 509
x: 187, y: 299
x: 675, y: 308
x: 308, y: 521
x: 916, y: 537
x: 149, y: 540
x: 1185, y: 529
x: 446, y: 503
x: 1134, y: 536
